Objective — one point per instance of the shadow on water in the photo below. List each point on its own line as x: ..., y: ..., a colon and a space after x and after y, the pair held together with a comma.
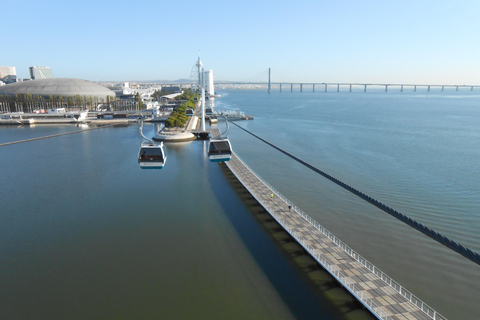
x: 308, y: 290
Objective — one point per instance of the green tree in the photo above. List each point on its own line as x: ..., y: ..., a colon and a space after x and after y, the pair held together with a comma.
x: 139, y: 101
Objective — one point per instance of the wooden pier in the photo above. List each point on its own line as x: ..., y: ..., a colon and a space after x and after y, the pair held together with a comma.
x: 385, y: 298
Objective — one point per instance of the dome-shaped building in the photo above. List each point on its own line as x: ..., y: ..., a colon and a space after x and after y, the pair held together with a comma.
x: 57, y: 87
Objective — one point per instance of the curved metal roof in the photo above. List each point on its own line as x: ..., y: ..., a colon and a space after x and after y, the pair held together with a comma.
x: 58, y: 87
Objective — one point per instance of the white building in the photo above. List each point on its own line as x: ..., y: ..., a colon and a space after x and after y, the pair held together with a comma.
x: 8, y: 74
x: 7, y: 71
x: 37, y: 72
x: 208, y: 80
x: 145, y: 90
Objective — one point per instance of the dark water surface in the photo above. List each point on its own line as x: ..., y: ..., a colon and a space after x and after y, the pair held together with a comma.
x: 86, y: 234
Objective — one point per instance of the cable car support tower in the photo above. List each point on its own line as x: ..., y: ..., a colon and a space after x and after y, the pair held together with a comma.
x: 202, y: 134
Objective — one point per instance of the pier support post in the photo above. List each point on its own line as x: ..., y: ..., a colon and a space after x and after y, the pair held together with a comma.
x: 350, y: 88
x: 325, y: 87
x: 471, y: 89
x: 386, y: 87
x: 443, y: 87
x: 313, y: 90
x: 291, y: 87
x: 280, y: 87
x: 428, y: 89
x: 401, y: 88
x: 301, y: 87
x: 269, y: 83
x: 365, y: 88
x: 415, y: 89
x: 456, y: 89
x: 338, y: 87
x: 202, y: 125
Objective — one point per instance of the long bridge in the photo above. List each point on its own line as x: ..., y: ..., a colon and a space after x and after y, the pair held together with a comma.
x: 345, y: 86
x: 381, y: 295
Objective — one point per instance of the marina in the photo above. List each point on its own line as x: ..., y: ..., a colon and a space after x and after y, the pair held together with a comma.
x: 234, y: 115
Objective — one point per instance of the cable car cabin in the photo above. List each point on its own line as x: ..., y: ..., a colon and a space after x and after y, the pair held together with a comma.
x: 219, y: 150
x: 213, y: 119
x: 208, y: 111
x: 189, y: 112
x: 151, y: 156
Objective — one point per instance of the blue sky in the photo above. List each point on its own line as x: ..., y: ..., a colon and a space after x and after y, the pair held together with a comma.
x: 423, y: 42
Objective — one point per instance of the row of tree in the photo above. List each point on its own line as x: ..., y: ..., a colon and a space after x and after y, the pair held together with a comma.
x: 179, y: 118
x: 188, y: 94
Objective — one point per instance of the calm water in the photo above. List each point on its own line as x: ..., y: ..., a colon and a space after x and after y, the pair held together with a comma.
x: 417, y: 152
x: 86, y: 234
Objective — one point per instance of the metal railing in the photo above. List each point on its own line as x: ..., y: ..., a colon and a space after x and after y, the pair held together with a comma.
x: 378, y: 311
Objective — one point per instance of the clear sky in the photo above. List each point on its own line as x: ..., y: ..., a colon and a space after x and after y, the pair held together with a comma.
x: 424, y: 42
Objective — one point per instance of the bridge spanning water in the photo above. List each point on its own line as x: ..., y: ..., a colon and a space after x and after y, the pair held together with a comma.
x: 349, y: 87
x: 380, y: 294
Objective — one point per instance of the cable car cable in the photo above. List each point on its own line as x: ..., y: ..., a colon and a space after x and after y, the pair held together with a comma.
x: 449, y: 243
x: 55, y: 135
x: 141, y: 132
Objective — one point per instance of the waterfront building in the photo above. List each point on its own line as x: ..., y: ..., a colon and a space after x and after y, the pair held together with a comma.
x: 208, y: 81
x: 8, y: 74
x: 7, y: 71
x: 37, y: 72
x: 58, y: 88
x: 171, y: 89
x: 127, y: 91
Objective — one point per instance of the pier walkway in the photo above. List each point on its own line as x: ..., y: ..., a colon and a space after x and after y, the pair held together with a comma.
x: 380, y: 294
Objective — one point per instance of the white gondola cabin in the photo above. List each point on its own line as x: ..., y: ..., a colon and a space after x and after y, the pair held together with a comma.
x: 213, y: 119
x: 219, y: 150
x: 151, y: 156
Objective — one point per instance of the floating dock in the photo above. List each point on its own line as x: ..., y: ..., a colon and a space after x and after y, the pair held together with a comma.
x: 234, y: 115
x: 380, y: 294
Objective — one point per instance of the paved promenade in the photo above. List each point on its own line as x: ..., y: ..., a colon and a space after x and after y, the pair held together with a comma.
x: 385, y: 298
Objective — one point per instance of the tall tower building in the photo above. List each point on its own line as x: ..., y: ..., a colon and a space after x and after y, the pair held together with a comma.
x: 209, y: 88
x: 37, y: 72
x: 199, y: 66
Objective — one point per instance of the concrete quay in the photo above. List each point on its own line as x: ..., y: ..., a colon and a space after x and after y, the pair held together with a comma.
x: 179, y: 134
x: 174, y: 135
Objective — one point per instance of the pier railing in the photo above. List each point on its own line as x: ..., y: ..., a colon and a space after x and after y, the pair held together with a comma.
x: 333, y: 270
x: 337, y: 273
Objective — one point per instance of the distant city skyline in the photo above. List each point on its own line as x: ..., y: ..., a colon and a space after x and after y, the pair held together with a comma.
x: 423, y: 42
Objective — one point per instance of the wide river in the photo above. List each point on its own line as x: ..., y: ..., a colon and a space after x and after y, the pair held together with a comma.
x: 86, y: 234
